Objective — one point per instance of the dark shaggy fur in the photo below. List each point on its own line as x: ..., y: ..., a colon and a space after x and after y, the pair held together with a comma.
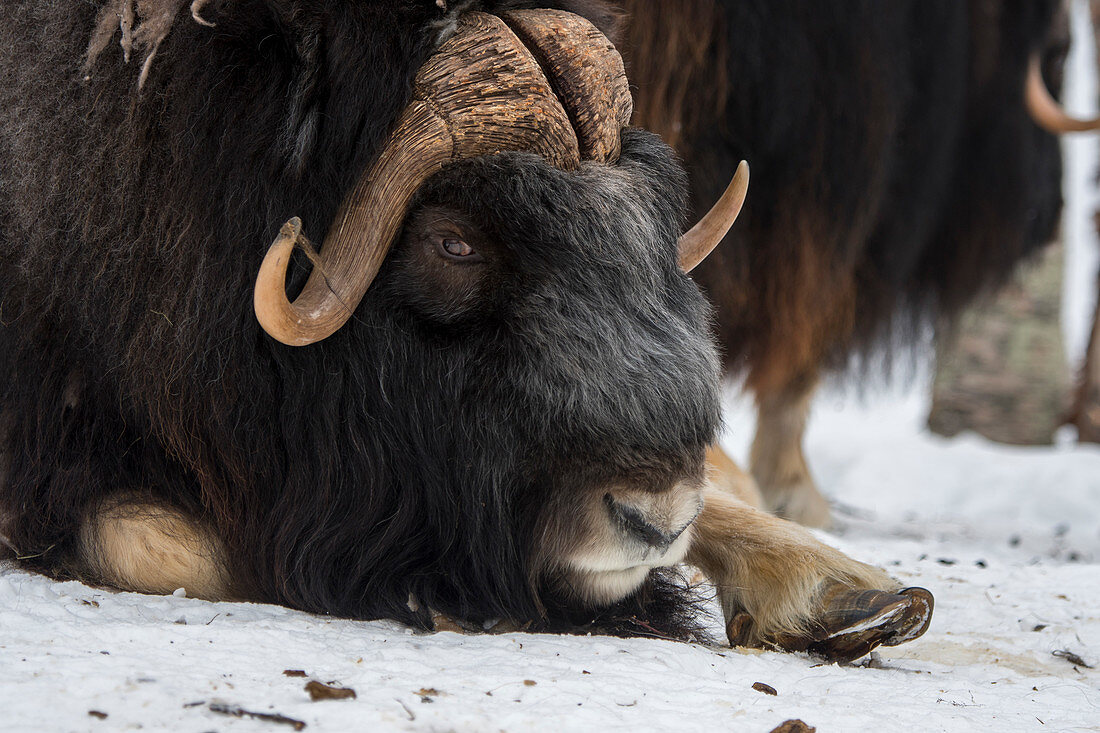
x: 415, y: 451
x: 895, y: 170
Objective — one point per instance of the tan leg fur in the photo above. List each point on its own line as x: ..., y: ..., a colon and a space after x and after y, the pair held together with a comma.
x: 770, y: 568
x: 777, y: 461
x: 139, y: 546
x: 725, y: 474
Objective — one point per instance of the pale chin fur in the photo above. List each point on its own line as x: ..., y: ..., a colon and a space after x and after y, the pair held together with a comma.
x: 609, y: 577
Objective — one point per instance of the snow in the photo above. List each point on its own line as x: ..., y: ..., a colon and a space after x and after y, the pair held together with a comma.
x: 1006, y: 538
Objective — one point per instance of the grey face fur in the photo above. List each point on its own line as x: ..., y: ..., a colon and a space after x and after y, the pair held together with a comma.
x: 599, y: 346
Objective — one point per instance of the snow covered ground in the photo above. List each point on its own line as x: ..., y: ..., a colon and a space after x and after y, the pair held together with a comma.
x: 1007, y: 539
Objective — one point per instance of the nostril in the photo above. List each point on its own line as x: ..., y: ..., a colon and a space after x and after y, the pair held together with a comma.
x: 635, y: 523
x: 673, y: 536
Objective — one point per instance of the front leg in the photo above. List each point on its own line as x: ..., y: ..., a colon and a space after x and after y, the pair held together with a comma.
x: 724, y: 473
x: 780, y: 587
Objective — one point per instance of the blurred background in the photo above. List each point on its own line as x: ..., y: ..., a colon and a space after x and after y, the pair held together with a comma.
x: 965, y: 443
x: 1002, y: 372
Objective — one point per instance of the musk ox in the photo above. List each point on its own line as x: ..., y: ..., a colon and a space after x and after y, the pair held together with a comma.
x: 488, y: 395
x: 898, y: 174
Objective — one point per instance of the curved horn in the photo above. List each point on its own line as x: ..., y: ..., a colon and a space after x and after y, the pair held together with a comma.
x: 587, y: 74
x: 702, y: 238
x: 482, y: 93
x: 1043, y: 108
x: 357, y: 241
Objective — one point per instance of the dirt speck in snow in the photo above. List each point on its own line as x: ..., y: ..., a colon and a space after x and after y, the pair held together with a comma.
x: 236, y: 712
x: 319, y: 691
x: 793, y: 726
x: 1074, y: 659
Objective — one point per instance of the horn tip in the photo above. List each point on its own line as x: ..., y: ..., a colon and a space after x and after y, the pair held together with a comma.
x: 292, y: 228
x: 741, y: 176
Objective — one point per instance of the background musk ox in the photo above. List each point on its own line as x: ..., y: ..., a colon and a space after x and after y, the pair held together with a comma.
x: 512, y: 423
x: 897, y: 175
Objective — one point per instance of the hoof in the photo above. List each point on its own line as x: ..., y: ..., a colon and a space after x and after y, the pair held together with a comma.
x: 739, y: 630
x: 801, y: 503
x: 853, y: 622
x: 918, y: 616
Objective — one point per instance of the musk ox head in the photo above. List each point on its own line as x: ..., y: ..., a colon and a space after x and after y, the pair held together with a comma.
x: 505, y: 385
x: 562, y: 349
x: 551, y: 388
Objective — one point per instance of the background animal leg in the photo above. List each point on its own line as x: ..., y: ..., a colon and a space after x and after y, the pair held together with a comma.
x: 1086, y: 405
x: 140, y: 546
x: 780, y: 587
x: 777, y: 462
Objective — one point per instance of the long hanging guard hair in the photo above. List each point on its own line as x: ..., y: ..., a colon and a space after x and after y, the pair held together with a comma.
x: 144, y: 25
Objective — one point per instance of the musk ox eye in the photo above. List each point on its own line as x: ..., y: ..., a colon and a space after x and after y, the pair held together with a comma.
x: 455, y: 248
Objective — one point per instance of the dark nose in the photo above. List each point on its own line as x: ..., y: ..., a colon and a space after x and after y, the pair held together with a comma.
x: 635, y: 523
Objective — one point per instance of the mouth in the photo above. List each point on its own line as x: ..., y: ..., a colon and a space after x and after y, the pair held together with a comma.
x: 606, y: 584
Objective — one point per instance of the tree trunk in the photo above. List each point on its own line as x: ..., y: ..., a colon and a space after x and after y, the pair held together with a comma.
x: 1002, y: 372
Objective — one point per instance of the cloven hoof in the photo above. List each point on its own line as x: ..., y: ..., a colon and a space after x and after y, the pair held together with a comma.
x: 853, y: 622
